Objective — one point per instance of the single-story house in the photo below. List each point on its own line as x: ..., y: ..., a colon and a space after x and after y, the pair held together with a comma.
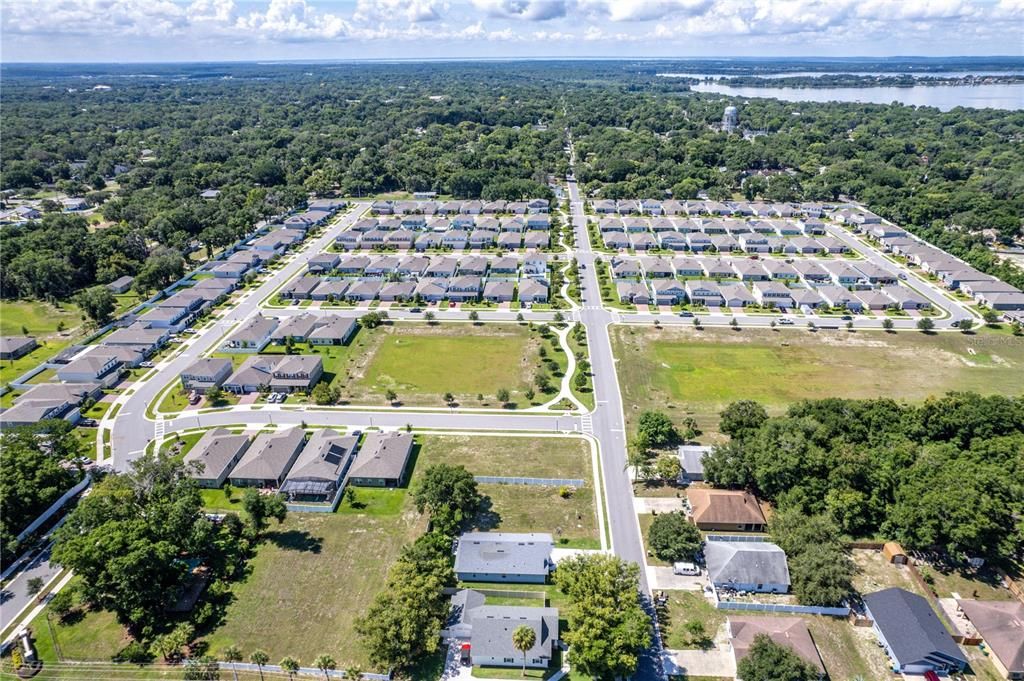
x: 1001, y: 625
x: 773, y: 293
x: 837, y: 296
x: 465, y: 288
x: 687, y: 267
x: 523, y: 558
x: 790, y: 632
x: 14, y: 347
x: 755, y: 566
x: 300, y: 288
x: 100, y: 367
x: 533, y: 291
x: 320, y: 469
x: 252, y: 336
x: 486, y: 631
x: 330, y: 289
x: 736, y: 295
x: 216, y: 453
x: 138, y: 335
x: 499, y: 291
x: 912, y: 634
x: 805, y: 297
x: 432, y: 290
x: 205, y: 373
x: 269, y: 458
x: 397, y: 291
x: 716, y: 510
x: 382, y: 461
x: 633, y: 292
x: 365, y: 289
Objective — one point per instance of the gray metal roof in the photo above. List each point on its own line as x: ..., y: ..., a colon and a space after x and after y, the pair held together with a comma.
x: 504, y: 553
x: 746, y: 563
x: 692, y: 458
x: 911, y: 628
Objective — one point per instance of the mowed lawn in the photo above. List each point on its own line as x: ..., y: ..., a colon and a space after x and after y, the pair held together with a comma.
x: 525, y: 508
x: 422, y: 363
x: 40, y: 320
x: 316, y: 573
x: 686, y: 372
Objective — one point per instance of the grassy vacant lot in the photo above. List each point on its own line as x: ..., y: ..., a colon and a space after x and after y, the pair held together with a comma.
x: 91, y: 636
x: 421, y: 363
x: 847, y: 651
x: 522, y: 508
x: 684, y: 606
x: 316, y: 573
x: 38, y: 317
x: 41, y: 320
x: 689, y: 372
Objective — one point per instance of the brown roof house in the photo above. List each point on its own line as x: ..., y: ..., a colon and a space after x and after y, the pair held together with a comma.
x: 1001, y: 624
x: 790, y: 632
x: 719, y: 510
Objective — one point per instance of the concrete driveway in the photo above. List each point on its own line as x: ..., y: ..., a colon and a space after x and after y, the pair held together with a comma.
x: 662, y: 578
x: 657, y: 504
x: 715, y: 662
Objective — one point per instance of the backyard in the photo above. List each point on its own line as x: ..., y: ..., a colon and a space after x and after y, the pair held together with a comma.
x: 314, y: 575
x: 697, y: 373
x: 572, y: 518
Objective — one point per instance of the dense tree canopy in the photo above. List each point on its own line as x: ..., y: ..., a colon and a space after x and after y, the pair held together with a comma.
x: 947, y: 473
x: 34, y: 474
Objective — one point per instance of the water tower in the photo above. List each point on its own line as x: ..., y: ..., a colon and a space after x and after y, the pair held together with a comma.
x: 730, y: 119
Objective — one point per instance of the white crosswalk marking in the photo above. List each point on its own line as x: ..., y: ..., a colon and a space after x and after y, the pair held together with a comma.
x: 159, y: 429
x: 587, y: 421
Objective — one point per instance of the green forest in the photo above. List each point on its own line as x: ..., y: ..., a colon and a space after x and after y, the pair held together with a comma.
x: 269, y: 137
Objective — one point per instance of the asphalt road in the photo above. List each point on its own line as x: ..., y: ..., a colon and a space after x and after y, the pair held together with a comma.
x: 14, y: 597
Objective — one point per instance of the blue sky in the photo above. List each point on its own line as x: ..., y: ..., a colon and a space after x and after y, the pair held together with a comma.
x: 198, y: 30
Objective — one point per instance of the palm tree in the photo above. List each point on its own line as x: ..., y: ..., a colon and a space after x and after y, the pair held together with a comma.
x: 232, y: 654
x: 259, y: 658
x: 290, y: 665
x: 324, y: 663
x: 354, y: 674
x: 524, y: 638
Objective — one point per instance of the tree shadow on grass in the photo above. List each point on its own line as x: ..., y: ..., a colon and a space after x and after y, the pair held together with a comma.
x: 296, y: 540
x: 486, y: 517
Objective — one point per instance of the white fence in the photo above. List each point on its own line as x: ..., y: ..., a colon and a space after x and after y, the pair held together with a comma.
x: 548, y: 482
x: 56, y: 506
x: 776, y: 607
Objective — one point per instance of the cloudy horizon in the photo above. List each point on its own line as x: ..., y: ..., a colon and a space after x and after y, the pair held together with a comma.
x: 245, y: 30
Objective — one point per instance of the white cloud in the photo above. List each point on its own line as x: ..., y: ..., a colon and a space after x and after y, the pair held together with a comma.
x: 413, y: 11
x: 645, y: 10
x: 530, y: 10
x: 653, y: 25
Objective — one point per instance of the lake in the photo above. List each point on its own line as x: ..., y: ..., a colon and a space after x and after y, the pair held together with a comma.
x: 1009, y: 96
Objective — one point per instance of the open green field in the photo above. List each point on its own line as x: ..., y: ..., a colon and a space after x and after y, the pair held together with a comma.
x: 464, y: 360
x: 689, y: 372
x: 525, y: 508
x: 40, y: 320
x: 38, y: 317
x: 313, y: 576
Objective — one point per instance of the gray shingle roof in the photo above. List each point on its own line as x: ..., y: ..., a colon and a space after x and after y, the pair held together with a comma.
x: 746, y: 563
x: 215, y: 451
x: 504, y: 553
x: 383, y: 455
x: 269, y: 456
x: 910, y: 626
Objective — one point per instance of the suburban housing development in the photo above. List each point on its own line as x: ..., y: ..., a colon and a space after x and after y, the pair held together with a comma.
x: 478, y: 399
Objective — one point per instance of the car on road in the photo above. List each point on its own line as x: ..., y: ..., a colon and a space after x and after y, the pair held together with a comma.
x: 416, y: 310
x: 846, y: 318
x: 295, y: 301
x: 903, y: 276
x: 786, y: 321
x: 685, y: 313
